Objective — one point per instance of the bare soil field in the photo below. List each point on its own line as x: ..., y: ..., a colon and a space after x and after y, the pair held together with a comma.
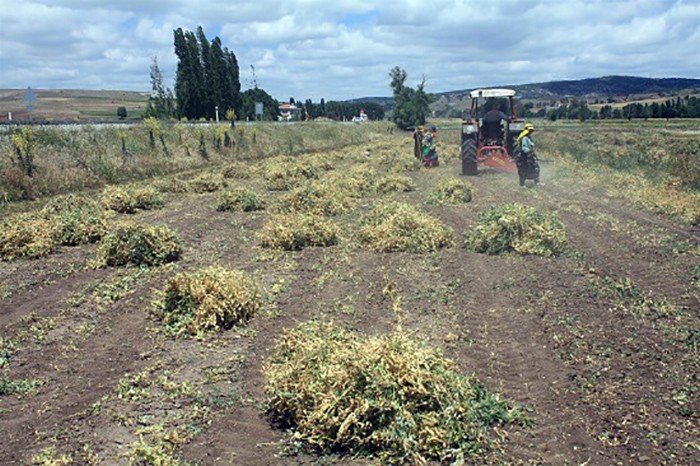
x: 598, y: 345
x: 72, y: 105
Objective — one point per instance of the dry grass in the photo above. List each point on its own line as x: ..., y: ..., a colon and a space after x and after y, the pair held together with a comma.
x: 240, y: 199
x: 133, y: 243
x: 519, y: 229
x: 392, y: 396
x: 214, y: 298
x: 451, y: 192
x: 297, y: 231
x: 401, y: 227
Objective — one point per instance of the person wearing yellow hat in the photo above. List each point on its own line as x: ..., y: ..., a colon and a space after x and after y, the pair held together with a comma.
x: 526, y: 159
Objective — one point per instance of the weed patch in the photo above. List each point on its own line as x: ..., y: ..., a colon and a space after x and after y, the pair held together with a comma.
x: 133, y: 243
x: 519, y: 229
x: 17, y: 386
x: 392, y: 397
x: 402, y: 227
x: 295, y: 232
x: 210, y: 299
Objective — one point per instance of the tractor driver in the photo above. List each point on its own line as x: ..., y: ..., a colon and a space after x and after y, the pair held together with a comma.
x: 492, y: 125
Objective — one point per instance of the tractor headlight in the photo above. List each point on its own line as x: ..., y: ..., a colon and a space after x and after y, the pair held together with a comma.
x: 516, y: 126
x: 469, y: 129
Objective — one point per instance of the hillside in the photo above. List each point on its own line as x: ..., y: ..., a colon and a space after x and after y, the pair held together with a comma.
x: 630, y: 88
x: 72, y: 104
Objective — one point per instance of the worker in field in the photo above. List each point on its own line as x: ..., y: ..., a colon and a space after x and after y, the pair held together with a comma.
x: 430, y: 156
x: 418, y: 134
x: 526, y: 159
x: 491, y: 122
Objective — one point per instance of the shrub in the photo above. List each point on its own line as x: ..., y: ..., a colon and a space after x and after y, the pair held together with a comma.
x: 517, y: 228
x: 210, y: 299
x: 27, y: 236
x: 242, y: 199
x: 133, y: 243
x: 207, y: 183
x: 401, y: 227
x: 118, y: 199
x: 79, y: 219
x: 451, y: 191
x: 318, y: 198
x: 395, y: 183
x: 295, y: 232
x: 391, y: 396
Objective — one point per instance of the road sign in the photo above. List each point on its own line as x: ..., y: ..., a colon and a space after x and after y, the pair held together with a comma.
x: 29, y: 100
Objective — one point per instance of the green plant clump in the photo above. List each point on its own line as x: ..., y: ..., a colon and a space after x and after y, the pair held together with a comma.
x: 241, y: 199
x: 401, y: 227
x: 451, y: 191
x: 207, y: 183
x: 295, y: 232
x: 519, y: 229
x: 210, y: 299
x: 27, y: 236
x: 318, y: 198
x: 391, y: 396
x: 133, y: 243
x: 79, y: 219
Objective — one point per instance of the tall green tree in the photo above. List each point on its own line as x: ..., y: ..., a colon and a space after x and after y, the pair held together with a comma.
x: 161, y: 102
x: 411, y: 106
x: 207, y: 76
x: 270, y: 105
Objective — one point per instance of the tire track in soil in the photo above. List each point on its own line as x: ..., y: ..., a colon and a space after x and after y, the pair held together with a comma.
x: 76, y: 379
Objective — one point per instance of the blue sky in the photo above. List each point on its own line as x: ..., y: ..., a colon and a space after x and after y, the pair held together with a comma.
x: 344, y: 48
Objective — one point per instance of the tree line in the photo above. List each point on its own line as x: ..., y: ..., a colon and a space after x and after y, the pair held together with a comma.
x: 686, y: 107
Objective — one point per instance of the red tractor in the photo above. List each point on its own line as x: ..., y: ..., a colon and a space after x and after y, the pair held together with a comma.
x: 487, y: 142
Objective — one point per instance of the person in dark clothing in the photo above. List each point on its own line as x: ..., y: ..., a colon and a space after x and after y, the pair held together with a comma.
x: 528, y: 166
x: 492, y: 125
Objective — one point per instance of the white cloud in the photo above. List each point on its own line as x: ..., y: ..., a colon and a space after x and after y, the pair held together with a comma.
x: 345, y: 48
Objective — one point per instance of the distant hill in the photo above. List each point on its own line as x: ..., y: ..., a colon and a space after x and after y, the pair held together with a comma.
x: 73, y: 104
x: 617, y: 88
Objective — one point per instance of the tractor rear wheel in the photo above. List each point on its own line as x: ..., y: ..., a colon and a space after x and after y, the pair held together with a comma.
x: 468, y: 152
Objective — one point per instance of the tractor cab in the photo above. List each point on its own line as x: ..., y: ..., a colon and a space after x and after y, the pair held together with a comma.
x: 489, y: 132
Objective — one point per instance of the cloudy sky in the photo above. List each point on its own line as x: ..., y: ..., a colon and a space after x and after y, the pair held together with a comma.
x: 341, y: 49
